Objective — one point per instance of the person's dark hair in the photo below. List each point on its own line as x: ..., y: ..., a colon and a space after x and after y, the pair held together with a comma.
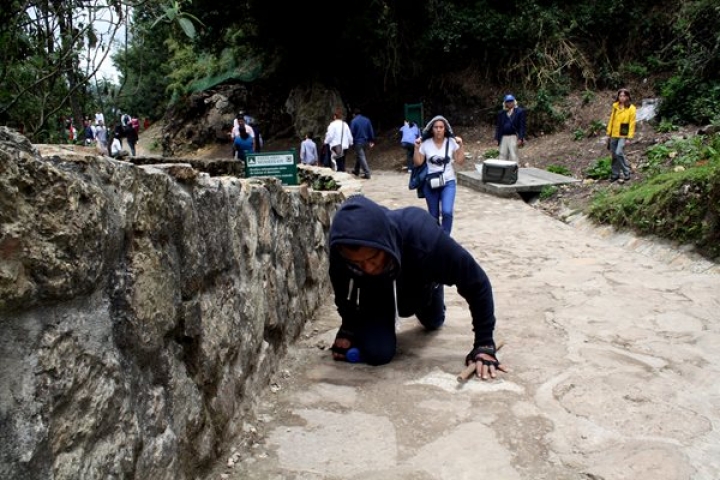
x: 309, y: 134
x: 626, y: 92
x: 411, y: 123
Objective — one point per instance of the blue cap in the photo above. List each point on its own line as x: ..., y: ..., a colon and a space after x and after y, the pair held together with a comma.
x: 509, y: 98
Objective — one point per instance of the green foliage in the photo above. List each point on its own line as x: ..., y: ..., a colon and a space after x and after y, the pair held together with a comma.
x: 596, y: 127
x: 560, y: 170
x: 548, y: 191
x: 680, y: 199
x: 692, y: 93
x: 492, y: 153
x: 173, y: 13
x: 635, y: 69
x: 601, y: 169
x: 588, y: 96
x: 685, y: 153
x: 545, y: 113
x: 666, y: 125
x: 672, y: 205
x: 180, y: 46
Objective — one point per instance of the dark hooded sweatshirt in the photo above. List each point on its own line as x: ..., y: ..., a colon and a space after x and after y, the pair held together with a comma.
x: 423, y: 255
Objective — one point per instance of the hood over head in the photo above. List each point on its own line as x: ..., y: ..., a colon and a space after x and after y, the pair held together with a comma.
x: 427, y: 131
x: 362, y: 222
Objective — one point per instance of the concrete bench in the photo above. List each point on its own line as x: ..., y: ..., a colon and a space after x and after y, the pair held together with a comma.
x: 528, y: 186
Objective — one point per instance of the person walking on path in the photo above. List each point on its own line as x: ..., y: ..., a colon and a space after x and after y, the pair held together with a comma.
x: 308, y: 150
x: 101, y: 137
x: 240, y: 124
x: 131, y: 136
x: 386, y: 264
x: 620, y: 129
x: 510, y: 129
x: 409, y: 132
x: 339, y: 138
x: 88, y: 133
x: 243, y: 144
x: 440, y: 148
x: 363, y: 137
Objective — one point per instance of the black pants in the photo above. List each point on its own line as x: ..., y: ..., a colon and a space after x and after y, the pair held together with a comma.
x: 377, y: 340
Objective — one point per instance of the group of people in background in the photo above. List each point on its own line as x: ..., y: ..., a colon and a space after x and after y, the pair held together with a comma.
x: 108, y: 142
x: 339, y: 138
x: 439, y: 147
x: 401, y: 256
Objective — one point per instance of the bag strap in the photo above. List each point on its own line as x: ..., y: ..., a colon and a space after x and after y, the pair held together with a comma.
x: 447, y: 147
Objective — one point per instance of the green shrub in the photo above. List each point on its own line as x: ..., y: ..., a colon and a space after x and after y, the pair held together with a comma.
x: 596, y: 127
x: 666, y: 125
x: 588, y: 96
x: 546, y: 117
x: 593, y: 130
x: 492, y: 153
x: 602, y: 168
x: 560, y: 170
x: 548, y: 191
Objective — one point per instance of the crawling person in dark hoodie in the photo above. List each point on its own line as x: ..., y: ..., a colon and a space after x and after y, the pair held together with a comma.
x: 386, y: 264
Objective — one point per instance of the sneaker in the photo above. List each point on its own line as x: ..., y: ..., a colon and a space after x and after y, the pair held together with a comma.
x: 614, y: 179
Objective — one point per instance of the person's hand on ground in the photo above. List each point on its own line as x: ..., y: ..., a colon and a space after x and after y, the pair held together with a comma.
x: 486, y: 361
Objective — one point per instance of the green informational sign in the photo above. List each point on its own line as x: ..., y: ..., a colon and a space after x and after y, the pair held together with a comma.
x: 282, y: 165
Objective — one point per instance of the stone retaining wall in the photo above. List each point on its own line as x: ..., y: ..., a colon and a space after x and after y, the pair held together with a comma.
x: 143, y: 308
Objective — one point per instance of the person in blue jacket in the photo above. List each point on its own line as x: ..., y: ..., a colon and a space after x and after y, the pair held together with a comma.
x: 386, y: 264
x: 243, y: 144
x: 510, y: 129
x: 363, y: 137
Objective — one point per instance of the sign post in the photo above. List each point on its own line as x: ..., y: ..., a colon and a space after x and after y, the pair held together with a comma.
x: 282, y: 165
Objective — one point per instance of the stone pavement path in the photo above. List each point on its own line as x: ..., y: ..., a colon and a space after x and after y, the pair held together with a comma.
x: 615, y: 358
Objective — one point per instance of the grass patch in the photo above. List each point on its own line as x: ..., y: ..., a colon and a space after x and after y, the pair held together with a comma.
x: 680, y: 206
x: 559, y: 169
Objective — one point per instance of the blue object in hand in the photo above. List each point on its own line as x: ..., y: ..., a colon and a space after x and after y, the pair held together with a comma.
x: 353, y: 355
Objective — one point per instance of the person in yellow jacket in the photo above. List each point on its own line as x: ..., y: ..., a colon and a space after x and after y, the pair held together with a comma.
x: 620, y: 129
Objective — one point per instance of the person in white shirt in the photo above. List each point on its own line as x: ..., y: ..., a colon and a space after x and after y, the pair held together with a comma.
x: 339, y: 139
x: 116, y: 150
x: 101, y: 137
x: 440, y: 148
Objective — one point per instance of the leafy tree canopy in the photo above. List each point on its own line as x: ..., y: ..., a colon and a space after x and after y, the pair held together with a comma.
x: 374, y: 51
